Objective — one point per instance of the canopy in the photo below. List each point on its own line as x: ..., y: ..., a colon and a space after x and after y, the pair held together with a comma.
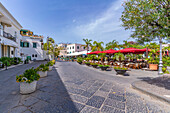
x: 110, y: 51
x: 78, y: 53
x: 95, y: 52
x: 133, y: 50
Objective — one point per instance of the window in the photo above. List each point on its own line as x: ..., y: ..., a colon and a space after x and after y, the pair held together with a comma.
x: 77, y: 47
x: 70, y: 47
x: 34, y: 45
x: 24, y: 32
x: 35, y: 55
x: 73, y: 47
x: 25, y: 44
x: 12, y: 52
x: 32, y: 55
x: 84, y: 48
x: 21, y: 44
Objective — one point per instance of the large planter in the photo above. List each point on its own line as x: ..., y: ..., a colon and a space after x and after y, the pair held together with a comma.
x: 153, y: 67
x: 42, y: 74
x: 120, y: 71
x: 80, y: 62
x: 94, y: 66
x: 103, y: 68
x: 88, y: 64
x: 50, y: 68
x: 26, y: 88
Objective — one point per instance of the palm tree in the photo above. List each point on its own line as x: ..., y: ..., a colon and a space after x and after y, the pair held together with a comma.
x: 97, y: 46
x: 112, y: 45
x: 57, y: 50
x: 87, y: 41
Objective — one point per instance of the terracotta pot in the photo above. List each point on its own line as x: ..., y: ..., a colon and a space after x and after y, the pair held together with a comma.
x: 153, y: 67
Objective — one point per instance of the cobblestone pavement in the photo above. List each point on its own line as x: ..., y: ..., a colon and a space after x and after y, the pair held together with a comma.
x: 71, y: 88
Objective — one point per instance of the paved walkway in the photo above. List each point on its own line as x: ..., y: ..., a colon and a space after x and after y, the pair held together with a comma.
x: 71, y: 88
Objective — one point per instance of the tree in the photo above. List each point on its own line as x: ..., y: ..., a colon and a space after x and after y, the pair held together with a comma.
x: 97, y: 46
x: 49, y: 46
x: 112, y: 45
x: 149, y: 19
x: 57, y: 50
x: 87, y: 41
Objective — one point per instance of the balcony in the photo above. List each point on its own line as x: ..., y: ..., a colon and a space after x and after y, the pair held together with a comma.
x: 9, y: 36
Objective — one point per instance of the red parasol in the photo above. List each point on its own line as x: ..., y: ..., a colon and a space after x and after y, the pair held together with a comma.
x: 110, y: 51
x: 95, y: 52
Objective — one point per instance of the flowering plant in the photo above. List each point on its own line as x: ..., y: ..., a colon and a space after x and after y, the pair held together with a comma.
x: 43, y: 68
x: 104, y: 66
x: 29, y: 76
x: 50, y: 63
x: 120, y: 68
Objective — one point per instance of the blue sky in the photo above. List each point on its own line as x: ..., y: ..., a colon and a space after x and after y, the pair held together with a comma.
x: 70, y: 20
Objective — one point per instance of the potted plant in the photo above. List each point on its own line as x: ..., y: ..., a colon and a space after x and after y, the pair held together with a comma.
x: 166, y: 64
x: 42, y: 70
x: 79, y: 60
x: 28, y: 81
x: 94, y: 65
x: 153, y: 60
x: 104, y: 67
x: 120, y: 70
x: 50, y: 65
x: 87, y: 63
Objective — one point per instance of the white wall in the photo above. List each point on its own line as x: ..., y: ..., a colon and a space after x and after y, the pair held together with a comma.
x: 30, y: 51
x: 81, y: 48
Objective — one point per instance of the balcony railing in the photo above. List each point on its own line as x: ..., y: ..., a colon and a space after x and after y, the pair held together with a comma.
x: 9, y: 36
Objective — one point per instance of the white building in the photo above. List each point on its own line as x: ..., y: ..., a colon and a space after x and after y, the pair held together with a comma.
x: 72, y: 48
x: 63, y: 51
x: 9, y: 34
x: 31, y: 45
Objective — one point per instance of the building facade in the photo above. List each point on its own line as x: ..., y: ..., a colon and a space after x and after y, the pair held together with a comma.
x: 9, y: 34
x: 72, y: 48
x: 63, y: 51
x: 31, y: 46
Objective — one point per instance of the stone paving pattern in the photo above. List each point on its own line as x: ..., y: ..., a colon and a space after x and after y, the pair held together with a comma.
x: 70, y: 88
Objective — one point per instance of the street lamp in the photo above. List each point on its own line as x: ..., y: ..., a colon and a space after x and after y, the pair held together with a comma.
x: 160, y: 57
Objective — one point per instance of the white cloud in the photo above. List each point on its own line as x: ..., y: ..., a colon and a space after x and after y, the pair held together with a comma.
x: 106, y: 27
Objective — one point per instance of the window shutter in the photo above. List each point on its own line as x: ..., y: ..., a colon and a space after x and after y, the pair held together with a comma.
x: 27, y: 44
x: 21, y: 44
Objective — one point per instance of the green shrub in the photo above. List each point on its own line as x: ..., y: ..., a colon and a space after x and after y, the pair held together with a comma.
x: 94, y: 64
x: 29, y: 76
x: 120, y: 68
x: 43, y: 68
x: 87, y: 63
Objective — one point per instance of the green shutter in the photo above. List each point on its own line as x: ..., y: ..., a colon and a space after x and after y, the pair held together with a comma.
x: 21, y: 44
x: 34, y: 45
x: 27, y: 44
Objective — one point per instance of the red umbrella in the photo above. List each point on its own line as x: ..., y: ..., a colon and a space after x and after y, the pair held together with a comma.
x: 127, y: 50
x: 95, y: 52
x: 110, y: 51
x: 141, y: 51
x: 133, y: 50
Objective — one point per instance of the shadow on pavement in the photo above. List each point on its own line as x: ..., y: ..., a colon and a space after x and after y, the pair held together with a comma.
x: 53, y: 95
x: 163, y: 81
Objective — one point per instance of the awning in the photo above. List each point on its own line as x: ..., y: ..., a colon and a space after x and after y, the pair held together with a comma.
x: 95, y: 52
x: 8, y: 42
x: 78, y: 53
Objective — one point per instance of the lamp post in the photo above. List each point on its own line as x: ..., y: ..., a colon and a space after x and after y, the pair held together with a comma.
x: 160, y: 57
x: 47, y: 47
